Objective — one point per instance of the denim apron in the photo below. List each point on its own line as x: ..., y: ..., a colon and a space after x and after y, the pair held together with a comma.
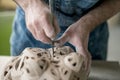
x: 67, y: 12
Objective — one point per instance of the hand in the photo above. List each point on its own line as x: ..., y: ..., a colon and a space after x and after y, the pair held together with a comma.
x: 78, y: 36
x: 38, y: 20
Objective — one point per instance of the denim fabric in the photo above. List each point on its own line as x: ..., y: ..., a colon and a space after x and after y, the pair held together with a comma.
x: 67, y: 12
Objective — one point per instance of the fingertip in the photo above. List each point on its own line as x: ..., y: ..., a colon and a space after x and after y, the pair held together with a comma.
x: 59, y: 42
x: 43, y: 38
x: 50, y: 32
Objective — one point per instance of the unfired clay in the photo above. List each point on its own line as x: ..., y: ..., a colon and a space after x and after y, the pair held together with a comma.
x: 38, y: 64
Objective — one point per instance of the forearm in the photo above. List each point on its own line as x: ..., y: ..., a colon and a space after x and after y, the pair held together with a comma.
x: 100, y: 14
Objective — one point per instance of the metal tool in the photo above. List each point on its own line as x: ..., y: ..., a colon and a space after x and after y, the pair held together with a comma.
x: 51, y: 3
x: 53, y: 51
x: 51, y: 8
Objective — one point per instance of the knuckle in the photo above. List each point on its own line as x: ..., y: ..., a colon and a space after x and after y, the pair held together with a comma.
x: 36, y: 22
x: 43, y: 17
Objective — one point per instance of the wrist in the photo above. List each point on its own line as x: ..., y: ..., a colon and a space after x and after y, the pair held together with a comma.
x: 25, y: 4
x: 88, y: 23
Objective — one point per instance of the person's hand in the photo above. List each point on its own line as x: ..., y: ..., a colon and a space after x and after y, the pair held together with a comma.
x: 78, y: 36
x: 38, y: 20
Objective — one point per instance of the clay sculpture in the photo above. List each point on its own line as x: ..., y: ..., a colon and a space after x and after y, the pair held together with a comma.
x: 37, y: 64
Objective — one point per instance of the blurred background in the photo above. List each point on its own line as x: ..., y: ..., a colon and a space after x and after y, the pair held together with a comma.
x: 7, y: 12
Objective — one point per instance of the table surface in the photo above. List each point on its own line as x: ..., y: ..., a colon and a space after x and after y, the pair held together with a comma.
x: 101, y: 70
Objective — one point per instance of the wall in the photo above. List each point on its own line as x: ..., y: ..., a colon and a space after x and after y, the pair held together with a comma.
x: 7, y: 5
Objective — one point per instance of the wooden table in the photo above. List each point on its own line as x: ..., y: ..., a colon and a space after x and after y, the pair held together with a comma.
x: 101, y: 70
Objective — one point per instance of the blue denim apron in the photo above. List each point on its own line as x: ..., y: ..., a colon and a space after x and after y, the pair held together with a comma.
x: 67, y: 12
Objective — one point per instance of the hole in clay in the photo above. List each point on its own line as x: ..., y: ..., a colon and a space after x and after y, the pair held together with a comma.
x: 10, y: 66
x: 26, y: 57
x: 74, y: 64
x: 76, y: 77
x: 70, y: 59
x: 28, y: 71
x: 57, y: 57
x: 39, y: 55
x: 41, y: 66
x: 55, y: 52
x: 45, y: 52
x: 57, y: 66
x: 22, y: 65
x: 54, y: 55
x: 65, y: 72
x: 52, y: 71
x: 61, y: 53
x: 5, y: 73
x: 56, y: 62
x: 43, y: 60
x: 32, y: 58
x: 17, y: 64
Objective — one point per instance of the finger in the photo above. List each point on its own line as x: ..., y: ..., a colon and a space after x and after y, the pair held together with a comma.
x: 63, y: 39
x: 40, y: 34
x: 48, y: 28
x: 32, y: 30
x: 55, y: 24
